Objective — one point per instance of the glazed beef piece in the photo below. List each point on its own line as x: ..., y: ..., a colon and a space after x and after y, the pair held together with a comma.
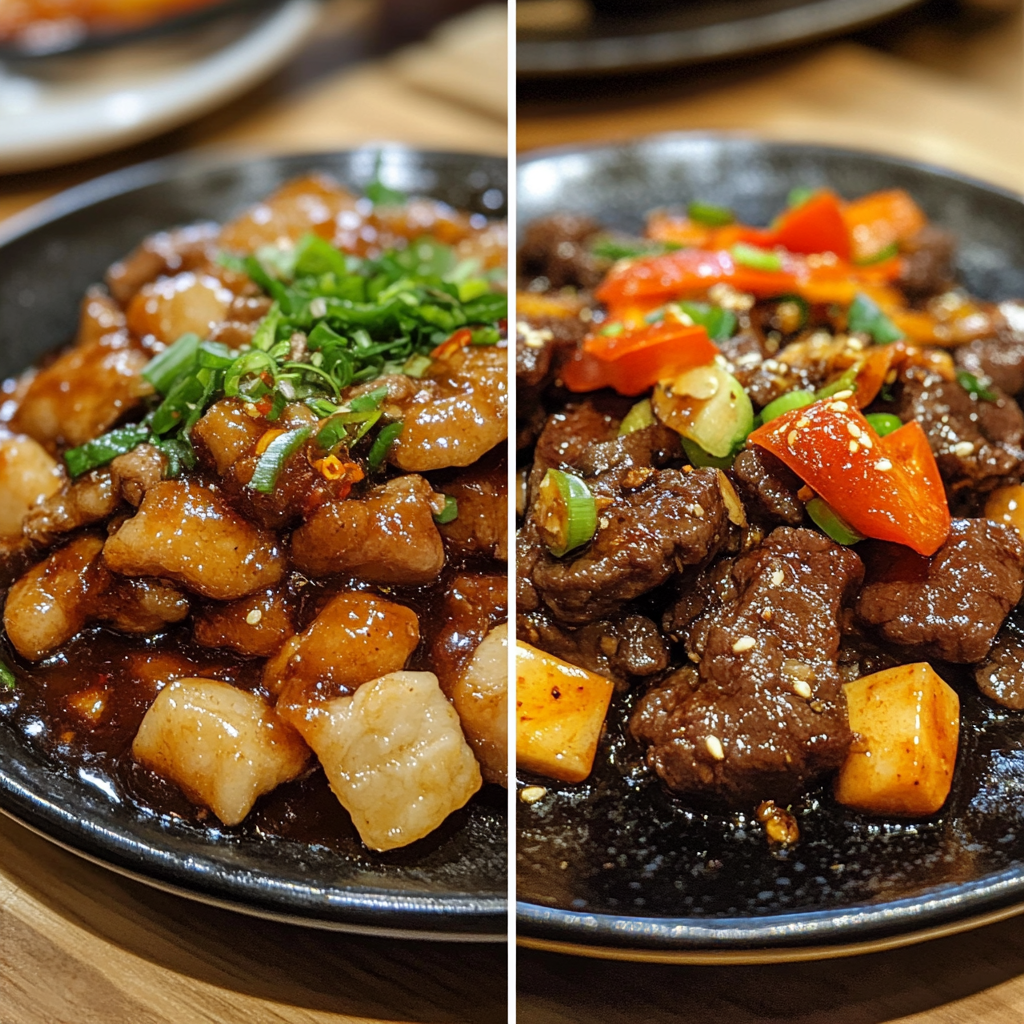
x: 540, y: 343
x: 657, y: 523
x: 761, y: 713
x: 951, y: 605
x: 999, y: 359
x: 620, y: 649
x: 471, y: 606
x: 976, y: 443
x: 928, y: 263
x: 557, y: 248
x: 1001, y: 675
x: 768, y: 488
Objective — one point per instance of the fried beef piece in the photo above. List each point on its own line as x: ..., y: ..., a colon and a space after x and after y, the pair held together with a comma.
x: 1001, y: 675
x: 927, y: 266
x: 950, y: 605
x: 657, y: 523
x: 761, y: 714
x: 557, y: 248
x: 768, y: 488
x: 1000, y: 358
x: 976, y: 443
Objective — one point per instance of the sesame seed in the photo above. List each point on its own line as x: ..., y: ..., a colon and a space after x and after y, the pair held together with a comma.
x: 531, y: 794
x: 696, y: 510
x: 715, y: 749
x: 883, y: 465
x: 604, y: 522
x: 254, y: 616
x: 963, y: 449
x: 802, y: 422
x: 867, y: 442
x: 791, y: 438
x: 853, y: 430
x: 839, y: 407
x: 802, y: 689
x: 854, y: 447
x: 840, y: 396
x: 778, y: 578
x: 743, y: 644
x: 766, y: 614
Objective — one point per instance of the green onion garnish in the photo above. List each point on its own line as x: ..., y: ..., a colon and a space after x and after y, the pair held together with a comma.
x: 786, y: 403
x: 639, y: 417
x: 383, y: 441
x: 8, y: 680
x: 566, y: 512
x: 846, y: 382
x: 279, y: 451
x: 103, y: 450
x: 883, y: 423
x: 163, y: 370
x: 718, y: 322
x: 754, y: 258
x: 613, y: 248
x: 417, y: 366
x: 449, y: 512
x: 865, y: 317
x: 886, y: 253
x: 799, y: 195
x: 975, y: 386
x: 702, y: 459
x: 831, y: 523
x: 369, y: 402
x: 710, y: 215
x: 612, y: 330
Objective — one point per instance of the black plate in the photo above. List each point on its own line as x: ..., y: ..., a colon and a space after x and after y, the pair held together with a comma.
x: 691, y: 32
x: 452, y: 884
x: 616, y: 861
x: 52, y: 44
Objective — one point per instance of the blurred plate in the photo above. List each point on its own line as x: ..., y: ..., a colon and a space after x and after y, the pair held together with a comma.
x: 683, y: 33
x: 48, y: 38
x: 65, y: 108
x: 616, y: 866
x: 453, y: 884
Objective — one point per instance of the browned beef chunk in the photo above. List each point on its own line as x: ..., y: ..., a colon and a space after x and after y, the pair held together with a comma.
x: 569, y: 434
x: 768, y: 488
x: 950, y: 605
x: 928, y: 263
x: 999, y: 359
x: 472, y: 605
x: 658, y: 522
x: 537, y: 347
x: 761, y: 714
x: 627, y: 647
x: 976, y: 443
x: 1001, y: 675
x: 557, y: 248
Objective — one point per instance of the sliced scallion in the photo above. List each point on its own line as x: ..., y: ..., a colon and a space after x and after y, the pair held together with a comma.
x: 103, y: 450
x: 885, y: 253
x: 831, y: 523
x: 702, y: 459
x: 639, y: 417
x: 799, y: 195
x: 786, y: 403
x: 865, y: 317
x: 279, y: 451
x: 8, y: 680
x: 883, y: 422
x: 164, y: 369
x: 369, y: 402
x: 449, y: 513
x: 755, y: 258
x: 976, y: 387
x: 718, y: 322
x: 416, y: 366
x: 710, y: 215
x: 382, y: 442
x: 566, y: 512
x: 847, y: 381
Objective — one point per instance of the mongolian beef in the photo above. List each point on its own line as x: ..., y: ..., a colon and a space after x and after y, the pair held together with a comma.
x: 253, y: 520
x: 770, y: 480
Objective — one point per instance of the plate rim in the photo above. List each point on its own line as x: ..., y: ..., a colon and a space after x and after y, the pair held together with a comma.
x: 454, y: 917
x: 797, y: 934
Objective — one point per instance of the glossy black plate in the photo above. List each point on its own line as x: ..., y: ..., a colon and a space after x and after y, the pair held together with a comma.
x: 648, y: 36
x: 49, y: 43
x: 453, y: 884
x: 616, y: 862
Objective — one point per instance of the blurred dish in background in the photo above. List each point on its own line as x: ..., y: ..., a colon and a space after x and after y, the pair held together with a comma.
x: 36, y: 27
x: 589, y: 37
x: 70, y: 107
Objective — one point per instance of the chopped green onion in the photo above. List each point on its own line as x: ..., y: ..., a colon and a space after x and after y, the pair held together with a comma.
x: 416, y: 366
x: 639, y: 417
x: 566, y: 512
x: 702, y: 459
x: 613, y: 248
x: 885, y: 253
x: 786, y: 403
x: 164, y: 369
x: 103, y: 450
x: 485, y: 336
x: 377, y: 192
x: 612, y: 330
x: 449, y: 512
x: 215, y: 356
x: 755, y: 258
x: 381, y: 444
x: 718, y: 322
x: 8, y: 680
x: 369, y: 402
x: 865, y: 317
x: 883, y: 422
x: 846, y: 382
x: 799, y: 195
x: 279, y: 451
x: 314, y: 256
x: 831, y: 523
x: 975, y: 386
x: 710, y: 215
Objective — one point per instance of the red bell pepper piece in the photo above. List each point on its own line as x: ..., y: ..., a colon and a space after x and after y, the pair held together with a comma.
x: 884, y: 488
x: 634, y: 361
x: 815, y: 226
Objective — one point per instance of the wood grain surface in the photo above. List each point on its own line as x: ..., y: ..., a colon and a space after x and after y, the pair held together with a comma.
x: 948, y: 91
x: 81, y: 945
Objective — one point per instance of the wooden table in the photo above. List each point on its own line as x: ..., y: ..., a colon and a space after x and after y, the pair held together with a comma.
x: 950, y: 93
x: 81, y: 945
